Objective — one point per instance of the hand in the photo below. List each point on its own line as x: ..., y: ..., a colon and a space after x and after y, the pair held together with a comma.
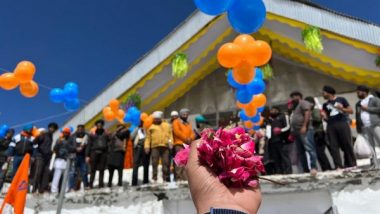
x: 323, y: 114
x: 339, y: 106
x: 303, y: 130
x: 207, y: 191
x: 365, y: 108
x: 188, y: 141
x: 9, y: 159
x: 147, y: 150
x: 170, y: 146
x: 88, y: 160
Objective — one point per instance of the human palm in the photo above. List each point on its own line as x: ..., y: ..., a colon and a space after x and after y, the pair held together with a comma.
x: 207, y: 191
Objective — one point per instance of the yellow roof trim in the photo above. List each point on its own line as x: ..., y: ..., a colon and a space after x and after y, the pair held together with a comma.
x: 357, y: 44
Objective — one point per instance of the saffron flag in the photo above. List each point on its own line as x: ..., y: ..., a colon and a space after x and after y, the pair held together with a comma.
x: 16, y: 195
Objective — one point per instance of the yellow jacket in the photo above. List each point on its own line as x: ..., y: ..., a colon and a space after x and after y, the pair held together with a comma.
x: 158, y: 136
x: 182, y: 131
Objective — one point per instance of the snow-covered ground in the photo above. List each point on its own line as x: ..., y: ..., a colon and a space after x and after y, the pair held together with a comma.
x: 358, y: 201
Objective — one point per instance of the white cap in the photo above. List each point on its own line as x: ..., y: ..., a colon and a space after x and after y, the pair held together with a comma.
x: 174, y: 113
x: 157, y: 114
x: 41, y: 130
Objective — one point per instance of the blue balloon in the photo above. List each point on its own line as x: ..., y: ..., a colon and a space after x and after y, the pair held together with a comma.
x: 57, y: 95
x: 232, y: 82
x: 128, y: 118
x: 256, y: 128
x: 213, y: 7
x: 72, y: 105
x: 247, y: 16
x: 132, y: 128
x: 257, y: 86
x: 4, y: 127
x: 261, y: 109
x: 243, y: 96
x: 71, y: 91
x: 243, y: 116
x: 259, y: 74
x: 2, y: 133
x: 256, y: 118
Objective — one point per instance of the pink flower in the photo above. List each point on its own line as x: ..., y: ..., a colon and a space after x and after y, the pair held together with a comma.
x: 182, y: 156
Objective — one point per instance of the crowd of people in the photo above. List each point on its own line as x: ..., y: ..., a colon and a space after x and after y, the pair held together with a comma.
x: 316, y: 129
x: 85, y: 153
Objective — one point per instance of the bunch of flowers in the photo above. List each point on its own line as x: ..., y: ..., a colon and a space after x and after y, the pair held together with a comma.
x: 230, y: 154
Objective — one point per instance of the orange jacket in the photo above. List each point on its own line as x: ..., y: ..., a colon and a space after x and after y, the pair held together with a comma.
x: 182, y: 131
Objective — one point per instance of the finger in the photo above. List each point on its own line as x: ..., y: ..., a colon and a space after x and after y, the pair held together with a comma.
x: 193, y: 156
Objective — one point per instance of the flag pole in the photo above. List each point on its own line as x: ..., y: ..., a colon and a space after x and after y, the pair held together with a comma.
x: 63, y: 185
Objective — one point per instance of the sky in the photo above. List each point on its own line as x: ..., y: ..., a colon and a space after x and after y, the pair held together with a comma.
x: 92, y: 42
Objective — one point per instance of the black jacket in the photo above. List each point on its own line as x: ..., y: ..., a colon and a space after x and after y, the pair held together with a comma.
x: 97, y: 143
x: 23, y: 145
x: 4, y: 144
x: 63, y: 148
x: 117, y: 141
x: 80, y: 142
x: 43, y: 144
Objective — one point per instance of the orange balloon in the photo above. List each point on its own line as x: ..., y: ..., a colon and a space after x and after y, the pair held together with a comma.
x: 259, y: 100
x: 148, y: 122
x: 29, y: 89
x: 25, y: 71
x: 108, y: 114
x: 9, y: 81
x: 250, y: 111
x: 35, y: 132
x: 120, y: 114
x: 241, y: 105
x: 248, y: 124
x: 261, y: 122
x: 243, y: 40
x: 114, y: 104
x: 144, y: 116
x: 257, y: 53
x: 229, y: 55
x: 243, y: 73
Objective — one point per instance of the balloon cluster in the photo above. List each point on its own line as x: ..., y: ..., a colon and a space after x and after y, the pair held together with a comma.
x: 243, y: 56
x: 245, y: 16
x: 22, y: 76
x: 113, y: 111
x: 68, y: 95
x: 133, y: 116
x: 3, y: 130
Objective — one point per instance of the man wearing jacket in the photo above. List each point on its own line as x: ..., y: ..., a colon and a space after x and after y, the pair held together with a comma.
x: 62, y: 149
x: 158, y: 139
x: 368, y: 119
x: 43, y: 153
x: 22, y: 145
x: 140, y: 158
x: 96, y: 152
x: 80, y: 139
x: 182, y: 134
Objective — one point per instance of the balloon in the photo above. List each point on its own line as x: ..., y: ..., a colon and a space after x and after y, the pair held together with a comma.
x: 4, y: 127
x: 258, y: 53
x: 213, y: 7
x: 29, y: 89
x: 256, y: 118
x: 259, y: 74
x: 243, y: 73
x: 261, y: 109
x: 57, y: 95
x: 128, y: 118
x: 2, y: 133
x: 148, y: 122
x: 120, y: 114
x: 256, y: 128
x: 132, y: 128
x: 243, y: 96
x: 229, y: 55
x: 248, y: 124
x: 72, y: 105
x: 114, y: 104
x: 257, y: 86
x: 71, y: 90
x: 143, y: 116
x: 232, y: 82
x: 243, y: 40
x: 247, y: 16
x: 241, y: 105
x: 250, y: 111
x: 261, y: 122
x: 260, y: 100
x: 243, y: 116
x: 9, y: 81
x: 108, y: 114
x: 25, y: 71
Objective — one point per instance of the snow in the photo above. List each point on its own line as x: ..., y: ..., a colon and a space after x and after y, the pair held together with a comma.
x: 357, y: 201
x: 150, y: 207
